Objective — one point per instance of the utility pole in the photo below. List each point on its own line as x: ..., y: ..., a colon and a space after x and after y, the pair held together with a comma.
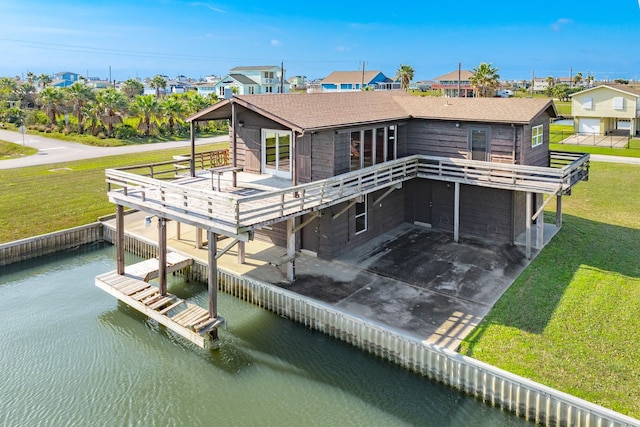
x: 459, y: 77
x: 571, y: 77
x: 282, y: 76
x: 533, y: 80
x: 362, y: 83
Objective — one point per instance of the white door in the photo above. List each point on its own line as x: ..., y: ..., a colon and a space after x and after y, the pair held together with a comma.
x: 589, y: 126
x: 276, y: 152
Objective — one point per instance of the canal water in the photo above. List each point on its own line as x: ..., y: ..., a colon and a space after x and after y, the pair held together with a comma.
x: 71, y: 355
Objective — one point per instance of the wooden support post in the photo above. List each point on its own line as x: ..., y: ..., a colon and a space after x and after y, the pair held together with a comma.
x: 528, y: 226
x: 177, y: 230
x: 241, y: 253
x: 539, y: 228
x: 456, y: 213
x: 291, y: 249
x: 120, y: 239
x: 559, y: 210
x: 198, y: 238
x: 212, y: 278
x: 234, y: 142
x: 162, y: 256
x: 192, y: 163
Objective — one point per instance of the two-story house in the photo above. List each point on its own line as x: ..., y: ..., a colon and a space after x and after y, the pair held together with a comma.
x: 455, y: 84
x: 326, y: 172
x: 252, y: 80
x: 607, y: 108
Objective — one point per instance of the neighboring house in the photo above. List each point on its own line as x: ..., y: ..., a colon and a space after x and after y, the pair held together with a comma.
x: 540, y: 85
x: 64, y: 79
x: 453, y: 82
x: 373, y: 137
x: 605, y: 109
x: 298, y: 82
x: 252, y: 80
x: 351, y: 81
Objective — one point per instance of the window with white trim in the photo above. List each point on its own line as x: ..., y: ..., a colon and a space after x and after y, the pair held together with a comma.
x: 537, y: 135
x: 618, y: 103
x: 361, y: 216
x: 587, y: 103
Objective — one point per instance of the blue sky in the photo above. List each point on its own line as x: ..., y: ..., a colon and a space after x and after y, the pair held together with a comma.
x: 198, y: 38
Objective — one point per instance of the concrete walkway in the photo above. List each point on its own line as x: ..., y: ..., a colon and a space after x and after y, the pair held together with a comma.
x: 412, y: 278
x: 57, y: 151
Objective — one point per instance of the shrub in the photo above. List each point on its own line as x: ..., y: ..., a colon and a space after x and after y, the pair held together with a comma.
x: 125, y: 131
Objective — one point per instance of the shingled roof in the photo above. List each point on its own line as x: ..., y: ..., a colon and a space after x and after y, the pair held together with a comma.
x: 314, y: 111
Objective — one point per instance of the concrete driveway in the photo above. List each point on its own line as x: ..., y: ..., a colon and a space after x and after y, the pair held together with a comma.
x: 56, y: 151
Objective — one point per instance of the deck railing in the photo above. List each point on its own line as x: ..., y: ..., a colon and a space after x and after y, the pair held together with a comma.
x: 242, y: 214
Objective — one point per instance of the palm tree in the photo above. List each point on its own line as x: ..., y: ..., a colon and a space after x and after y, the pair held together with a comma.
x: 131, y: 88
x: 51, y: 99
x: 405, y: 74
x: 197, y: 102
x: 577, y: 79
x: 26, y: 93
x: 31, y: 77
x: 44, y: 80
x: 146, y: 107
x: 112, y: 104
x: 158, y: 82
x: 78, y: 95
x: 172, y: 108
x: 485, y: 80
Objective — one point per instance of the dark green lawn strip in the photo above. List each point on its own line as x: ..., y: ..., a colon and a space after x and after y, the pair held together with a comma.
x: 10, y: 150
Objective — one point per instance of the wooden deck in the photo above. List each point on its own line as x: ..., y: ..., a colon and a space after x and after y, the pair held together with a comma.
x: 184, y: 318
x: 237, y: 212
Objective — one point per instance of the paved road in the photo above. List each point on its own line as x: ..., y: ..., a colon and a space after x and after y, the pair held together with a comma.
x: 56, y: 151
x: 615, y: 159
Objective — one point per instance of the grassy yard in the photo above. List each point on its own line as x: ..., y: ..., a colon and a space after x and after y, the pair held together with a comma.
x: 10, y: 150
x: 572, y: 319
x: 41, y: 199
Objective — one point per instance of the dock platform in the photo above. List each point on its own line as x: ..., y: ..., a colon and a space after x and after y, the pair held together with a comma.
x: 184, y: 318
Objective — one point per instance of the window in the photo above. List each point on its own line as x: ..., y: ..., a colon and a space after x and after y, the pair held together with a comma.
x: 361, y: 216
x: 372, y: 146
x: 479, y: 143
x: 587, y: 103
x: 618, y: 103
x: 537, y: 135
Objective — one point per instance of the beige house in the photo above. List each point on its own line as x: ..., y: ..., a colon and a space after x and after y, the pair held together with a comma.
x: 607, y: 109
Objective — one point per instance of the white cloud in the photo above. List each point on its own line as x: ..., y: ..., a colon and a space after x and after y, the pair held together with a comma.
x: 342, y: 48
x: 275, y: 42
x: 208, y: 6
x: 557, y: 26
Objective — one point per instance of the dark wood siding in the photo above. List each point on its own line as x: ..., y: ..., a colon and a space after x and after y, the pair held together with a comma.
x: 535, y: 156
x: 486, y: 213
x: 443, y: 138
x: 322, y: 155
x: 275, y: 234
x: 337, y: 236
x: 250, y: 139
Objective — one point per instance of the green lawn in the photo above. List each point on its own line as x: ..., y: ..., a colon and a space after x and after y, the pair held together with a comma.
x: 10, y: 150
x: 41, y: 199
x: 572, y: 319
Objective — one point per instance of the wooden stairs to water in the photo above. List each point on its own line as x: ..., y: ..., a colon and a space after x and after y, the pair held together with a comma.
x: 186, y: 319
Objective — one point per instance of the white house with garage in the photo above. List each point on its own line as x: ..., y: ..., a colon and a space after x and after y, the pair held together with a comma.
x: 607, y: 109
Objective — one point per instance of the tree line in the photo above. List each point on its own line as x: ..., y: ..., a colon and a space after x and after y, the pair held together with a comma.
x: 105, y: 113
